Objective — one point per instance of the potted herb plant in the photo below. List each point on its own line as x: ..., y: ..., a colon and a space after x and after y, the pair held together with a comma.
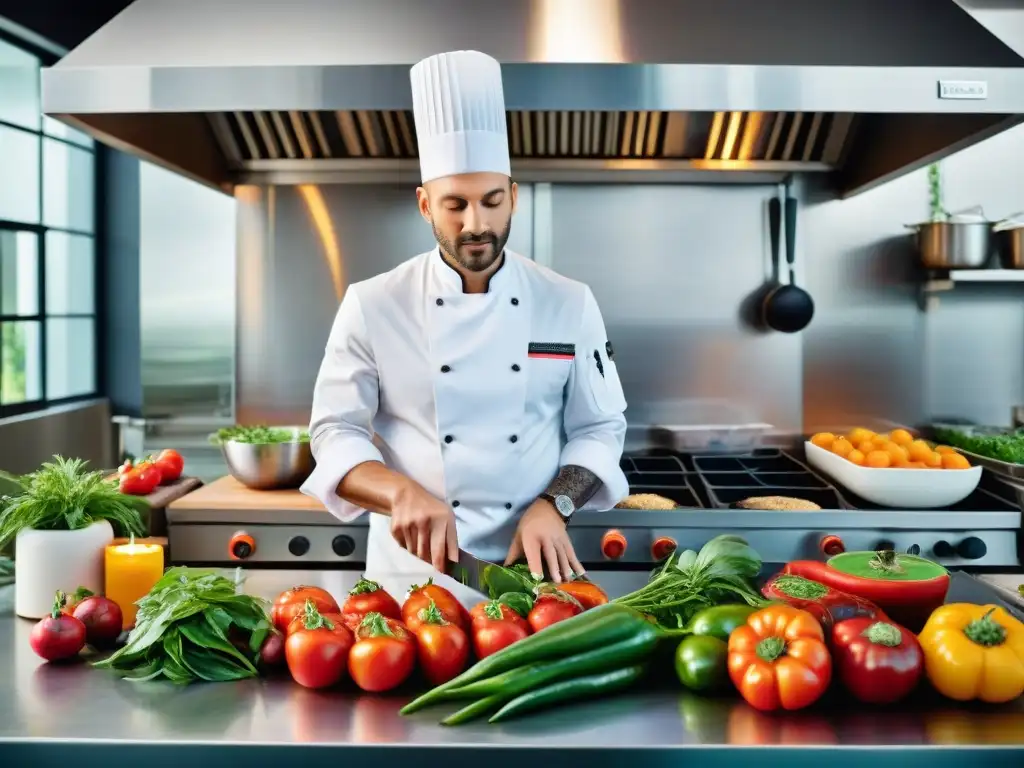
x: 61, y: 519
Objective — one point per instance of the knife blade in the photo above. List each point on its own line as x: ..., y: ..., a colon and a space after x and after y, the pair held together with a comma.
x: 469, y: 571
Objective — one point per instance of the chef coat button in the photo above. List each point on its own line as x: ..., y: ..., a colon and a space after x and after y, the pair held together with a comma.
x: 455, y: 503
x: 515, y: 302
x: 513, y: 439
x: 508, y: 505
x: 448, y: 438
x: 445, y: 368
x: 515, y: 367
x: 440, y: 302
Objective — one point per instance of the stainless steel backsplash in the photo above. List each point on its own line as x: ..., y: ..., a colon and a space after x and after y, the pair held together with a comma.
x: 671, y: 267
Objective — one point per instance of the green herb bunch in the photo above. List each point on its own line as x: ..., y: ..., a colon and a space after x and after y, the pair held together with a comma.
x: 724, y: 571
x: 193, y: 626
x: 258, y: 435
x: 62, y: 495
x: 1005, y: 445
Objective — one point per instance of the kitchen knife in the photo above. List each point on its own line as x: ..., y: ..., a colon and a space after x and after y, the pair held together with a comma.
x: 469, y: 571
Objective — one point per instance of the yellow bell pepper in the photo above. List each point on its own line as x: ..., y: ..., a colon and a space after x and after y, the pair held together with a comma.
x: 974, y: 652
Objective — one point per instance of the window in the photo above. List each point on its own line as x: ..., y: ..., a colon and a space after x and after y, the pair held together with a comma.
x: 48, y: 329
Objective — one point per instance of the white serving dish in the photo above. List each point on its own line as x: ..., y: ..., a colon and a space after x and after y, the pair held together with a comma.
x: 897, y: 488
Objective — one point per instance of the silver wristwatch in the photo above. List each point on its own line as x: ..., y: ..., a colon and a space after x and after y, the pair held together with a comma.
x: 563, y: 505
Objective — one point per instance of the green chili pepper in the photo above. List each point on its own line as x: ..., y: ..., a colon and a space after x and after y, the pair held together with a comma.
x: 636, y: 648
x: 475, y: 710
x: 595, y: 628
x: 588, y: 687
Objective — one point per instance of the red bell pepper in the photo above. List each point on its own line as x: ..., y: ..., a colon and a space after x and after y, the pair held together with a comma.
x: 829, y: 606
x: 877, y: 662
x: 890, y: 581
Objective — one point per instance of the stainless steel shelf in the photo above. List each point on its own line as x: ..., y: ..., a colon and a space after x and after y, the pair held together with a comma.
x: 940, y: 282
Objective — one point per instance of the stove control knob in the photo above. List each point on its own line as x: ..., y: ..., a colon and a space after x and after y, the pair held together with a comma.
x: 613, y: 545
x: 914, y: 549
x: 662, y: 547
x: 943, y: 549
x: 241, y: 546
x: 832, y: 545
x: 343, y: 545
x: 972, y: 548
x: 885, y: 546
x: 298, y: 546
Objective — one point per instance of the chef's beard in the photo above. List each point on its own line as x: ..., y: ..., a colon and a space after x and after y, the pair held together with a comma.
x: 469, y: 260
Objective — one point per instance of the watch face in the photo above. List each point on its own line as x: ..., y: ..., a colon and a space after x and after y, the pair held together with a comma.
x: 564, y: 505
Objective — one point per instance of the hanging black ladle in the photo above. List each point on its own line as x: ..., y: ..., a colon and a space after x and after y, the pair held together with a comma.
x: 787, y: 307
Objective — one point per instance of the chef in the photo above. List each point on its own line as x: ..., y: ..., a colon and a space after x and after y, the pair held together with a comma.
x: 468, y: 398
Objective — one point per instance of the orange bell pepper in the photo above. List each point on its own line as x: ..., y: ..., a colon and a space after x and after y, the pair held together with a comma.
x: 974, y: 652
x: 778, y: 658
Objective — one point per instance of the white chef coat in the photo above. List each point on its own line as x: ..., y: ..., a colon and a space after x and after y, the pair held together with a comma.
x: 479, y: 398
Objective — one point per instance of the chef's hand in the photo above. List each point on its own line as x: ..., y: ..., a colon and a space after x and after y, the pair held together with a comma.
x: 543, y: 539
x: 425, y: 526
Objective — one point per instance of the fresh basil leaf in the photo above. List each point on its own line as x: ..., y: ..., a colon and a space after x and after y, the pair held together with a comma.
x: 215, y: 667
x: 519, y: 602
x: 200, y: 635
x: 500, y: 580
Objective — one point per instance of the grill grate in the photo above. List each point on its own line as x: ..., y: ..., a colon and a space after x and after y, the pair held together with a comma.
x: 747, y: 137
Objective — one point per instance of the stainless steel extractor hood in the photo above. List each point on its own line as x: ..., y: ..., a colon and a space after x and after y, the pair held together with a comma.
x: 237, y: 91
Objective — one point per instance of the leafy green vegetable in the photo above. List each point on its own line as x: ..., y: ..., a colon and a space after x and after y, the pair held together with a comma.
x: 63, y: 496
x: 520, y: 602
x: 6, y: 571
x: 258, y: 435
x: 722, y: 572
x: 1002, y: 445
x: 500, y: 581
x: 193, y: 626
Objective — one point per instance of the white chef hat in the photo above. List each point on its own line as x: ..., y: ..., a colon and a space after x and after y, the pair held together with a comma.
x: 459, y: 109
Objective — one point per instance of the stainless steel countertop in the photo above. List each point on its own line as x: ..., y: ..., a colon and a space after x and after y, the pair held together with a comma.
x: 48, y: 707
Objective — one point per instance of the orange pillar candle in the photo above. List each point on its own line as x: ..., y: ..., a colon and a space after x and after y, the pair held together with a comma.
x: 132, y: 570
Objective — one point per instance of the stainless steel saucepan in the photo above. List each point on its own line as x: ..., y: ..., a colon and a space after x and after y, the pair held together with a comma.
x: 1009, y: 235
x: 964, y: 241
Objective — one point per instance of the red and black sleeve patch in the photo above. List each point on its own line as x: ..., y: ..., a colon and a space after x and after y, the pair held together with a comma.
x: 551, y: 351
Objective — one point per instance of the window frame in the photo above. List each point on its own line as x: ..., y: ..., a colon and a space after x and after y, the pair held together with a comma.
x: 46, y: 59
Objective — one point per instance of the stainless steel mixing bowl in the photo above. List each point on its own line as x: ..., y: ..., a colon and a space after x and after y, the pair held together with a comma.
x: 269, y: 466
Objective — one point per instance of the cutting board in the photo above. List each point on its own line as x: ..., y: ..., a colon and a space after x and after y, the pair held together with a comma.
x: 162, y: 497
x: 228, y: 493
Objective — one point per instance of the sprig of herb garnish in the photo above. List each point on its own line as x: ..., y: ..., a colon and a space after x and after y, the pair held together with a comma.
x: 63, y: 495
x: 258, y: 435
x: 193, y: 626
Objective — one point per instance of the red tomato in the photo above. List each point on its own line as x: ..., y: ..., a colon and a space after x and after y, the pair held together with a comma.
x: 102, y: 619
x: 384, y: 654
x: 141, y: 480
x: 292, y: 602
x: 587, y: 593
x: 125, y: 468
x: 878, y: 662
x: 170, y: 464
x: 552, y: 608
x: 334, y: 618
x: 443, y: 647
x: 368, y: 597
x: 419, y: 599
x: 492, y: 610
x: 58, y: 636
x: 317, y: 653
x: 496, y: 626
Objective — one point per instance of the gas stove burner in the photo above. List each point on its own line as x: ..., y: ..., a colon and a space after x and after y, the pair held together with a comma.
x: 721, y: 481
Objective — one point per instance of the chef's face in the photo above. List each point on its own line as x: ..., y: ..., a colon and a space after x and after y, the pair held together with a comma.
x: 471, y: 215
